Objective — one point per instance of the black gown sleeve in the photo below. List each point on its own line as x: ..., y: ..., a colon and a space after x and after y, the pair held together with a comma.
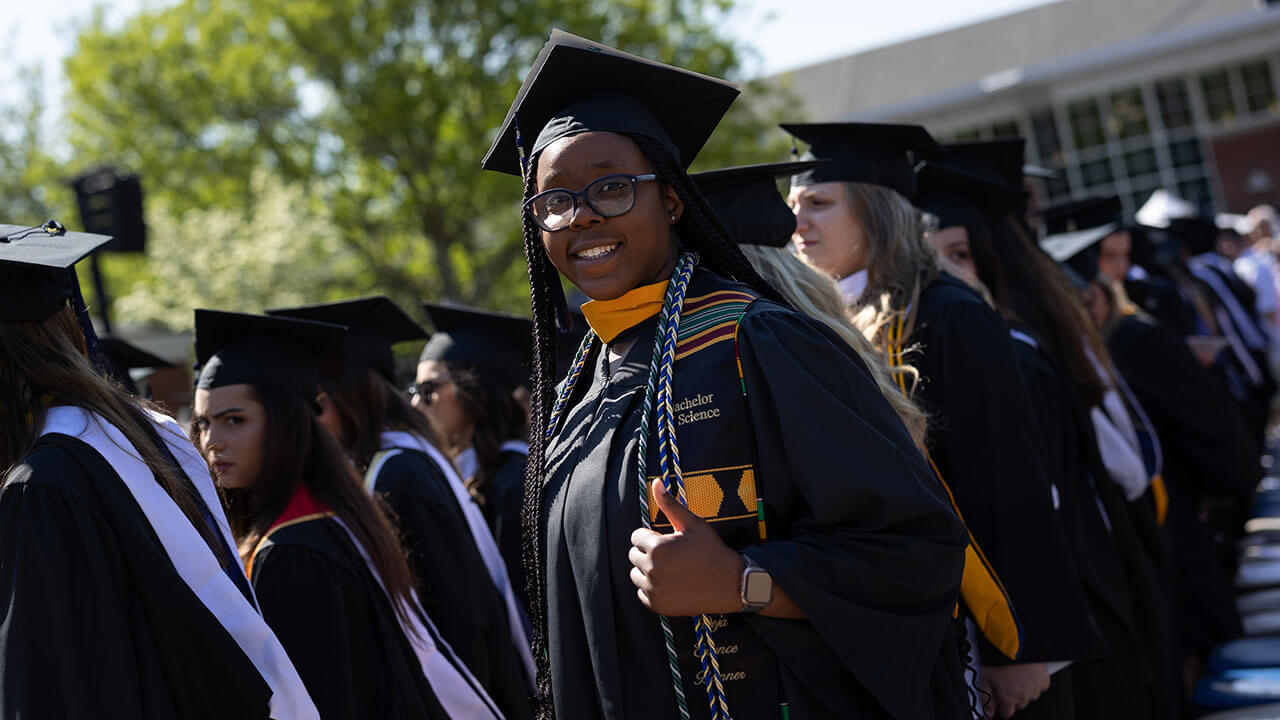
x: 861, y: 538
x: 983, y: 436
x: 61, y: 656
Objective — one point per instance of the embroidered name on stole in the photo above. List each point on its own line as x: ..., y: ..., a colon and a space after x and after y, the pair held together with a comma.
x: 713, y: 435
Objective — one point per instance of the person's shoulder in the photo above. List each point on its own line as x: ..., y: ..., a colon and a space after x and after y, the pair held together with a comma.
x: 949, y: 292
x: 56, y: 463
x: 316, y: 537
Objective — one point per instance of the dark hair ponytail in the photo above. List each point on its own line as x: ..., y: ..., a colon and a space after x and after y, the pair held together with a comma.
x: 699, y: 230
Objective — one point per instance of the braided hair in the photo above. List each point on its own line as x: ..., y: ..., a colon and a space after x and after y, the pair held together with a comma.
x: 699, y: 230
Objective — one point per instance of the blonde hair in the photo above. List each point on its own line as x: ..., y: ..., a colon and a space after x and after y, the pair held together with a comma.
x: 812, y: 293
x: 900, y: 261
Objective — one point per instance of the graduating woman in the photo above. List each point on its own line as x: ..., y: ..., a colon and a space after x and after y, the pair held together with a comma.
x: 676, y: 570
x: 122, y: 590
x: 472, y: 385
x: 854, y: 220
x: 1117, y: 546
x: 330, y: 576
x: 396, y: 450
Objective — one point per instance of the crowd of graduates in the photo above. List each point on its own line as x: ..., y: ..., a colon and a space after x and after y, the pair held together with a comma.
x: 895, y: 442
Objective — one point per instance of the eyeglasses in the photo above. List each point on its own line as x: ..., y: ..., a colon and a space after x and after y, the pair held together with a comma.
x: 609, y: 196
x: 426, y: 390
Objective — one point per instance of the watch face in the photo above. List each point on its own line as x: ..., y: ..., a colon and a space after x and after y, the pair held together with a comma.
x: 759, y: 588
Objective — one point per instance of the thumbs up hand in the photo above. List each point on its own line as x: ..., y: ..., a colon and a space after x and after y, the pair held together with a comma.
x: 686, y: 572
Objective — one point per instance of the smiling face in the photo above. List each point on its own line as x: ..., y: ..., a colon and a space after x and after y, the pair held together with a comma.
x: 828, y: 234
x: 608, y: 257
x: 230, y: 425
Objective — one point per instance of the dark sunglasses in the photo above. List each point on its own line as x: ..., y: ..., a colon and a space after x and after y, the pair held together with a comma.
x: 425, y: 389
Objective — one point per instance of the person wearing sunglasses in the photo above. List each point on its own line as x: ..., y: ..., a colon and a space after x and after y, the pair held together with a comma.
x: 397, y: 451
x: 473, y: 387
x: 724, y: 516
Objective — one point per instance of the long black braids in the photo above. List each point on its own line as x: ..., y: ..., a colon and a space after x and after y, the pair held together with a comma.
x: 699, y: 230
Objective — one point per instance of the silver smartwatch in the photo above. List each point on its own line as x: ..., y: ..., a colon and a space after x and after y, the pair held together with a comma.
x: 756, y: 587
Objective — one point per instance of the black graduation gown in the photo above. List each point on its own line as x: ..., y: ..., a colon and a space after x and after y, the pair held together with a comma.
x: 318, y: 595
x: 860, y: 539
x: 453, y: 585
x: 984, y: 440
x: 1208, y: 454
x: 504, y: 498
x: 1127, y: 679
x: 97, y: 621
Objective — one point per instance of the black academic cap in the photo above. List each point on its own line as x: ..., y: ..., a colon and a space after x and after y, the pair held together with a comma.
x: 126, y: 356
x: 1197, y: 234
x: 1003, y: 157
x: 494, y: 342
x: 874, y: 153
x: 1079, y: 249
x: 235, y: 348
x: 961, y: 194
x: 36, y: 269
x: 1072, y: 215
x: 373, y: 325
x: 576, y: 85
x: 1153, y: 247
x: 747, y: 201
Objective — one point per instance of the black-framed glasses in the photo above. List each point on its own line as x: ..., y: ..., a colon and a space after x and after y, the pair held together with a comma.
x: 609, y: 196
x: 426, y: 390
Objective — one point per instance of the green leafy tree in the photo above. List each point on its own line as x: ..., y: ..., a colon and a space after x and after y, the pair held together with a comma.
x: 378, y: 110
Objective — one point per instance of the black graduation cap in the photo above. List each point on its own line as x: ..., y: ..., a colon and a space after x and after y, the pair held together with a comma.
x: 234, y: 348
x: 495, y: 342
x: 1197, y: 234
x: 747, y: 201
x: 1078, y: 249
x: 1153, y: 247
x: 960, y: 194
x: 1003, y: 158
x: 126, y: 356
x: 1090, y: 212
x: 373, y: 325
x: 576, y: 85
x: 37, y: 276
x: 872, y: 153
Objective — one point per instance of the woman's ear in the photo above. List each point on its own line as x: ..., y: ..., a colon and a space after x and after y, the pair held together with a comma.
x: 672, y: 204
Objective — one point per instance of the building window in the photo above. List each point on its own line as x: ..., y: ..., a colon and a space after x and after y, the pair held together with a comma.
x: 1175, y: 104
x: 1259, y: 90
x: 1097, y: 172
x: 968, y: 135
x: 1045, y: 136
x: 1216, y: 87
x: 1197, y: 191
x: 1186, y: 154
x: 1127, y: 117
x: 1086, y: 124
x: 1140, y: 162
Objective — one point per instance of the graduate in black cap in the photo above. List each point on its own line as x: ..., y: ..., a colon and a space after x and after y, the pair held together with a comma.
x: 676, y: 568
x: 983, y: 436
x: 397, y: 451
x: 472, y: 384
x: 1205, y: 448
x: 122, y: 590
x: 330, y: 577
x: 747, y: 201
x: 1087, y: 437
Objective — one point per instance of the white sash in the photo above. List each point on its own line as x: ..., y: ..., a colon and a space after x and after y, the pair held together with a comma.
x: 191, y: 556
x: 480, y: 533
x: 458, y: 691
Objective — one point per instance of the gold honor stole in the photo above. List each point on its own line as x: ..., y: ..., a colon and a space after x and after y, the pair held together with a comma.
x: 980, y: 587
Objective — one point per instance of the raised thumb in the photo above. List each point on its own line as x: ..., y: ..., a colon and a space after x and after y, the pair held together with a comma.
x: 680, y: 516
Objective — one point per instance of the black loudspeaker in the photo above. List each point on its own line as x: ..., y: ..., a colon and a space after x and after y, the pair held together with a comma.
x: 111, y: 204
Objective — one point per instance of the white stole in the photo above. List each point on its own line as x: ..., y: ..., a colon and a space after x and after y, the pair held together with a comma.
x: 479, y: 533
x: 459, y: 693
x: 195, y: 562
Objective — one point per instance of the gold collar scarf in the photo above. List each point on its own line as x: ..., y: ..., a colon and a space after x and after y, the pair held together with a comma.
x: 611, y: 318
